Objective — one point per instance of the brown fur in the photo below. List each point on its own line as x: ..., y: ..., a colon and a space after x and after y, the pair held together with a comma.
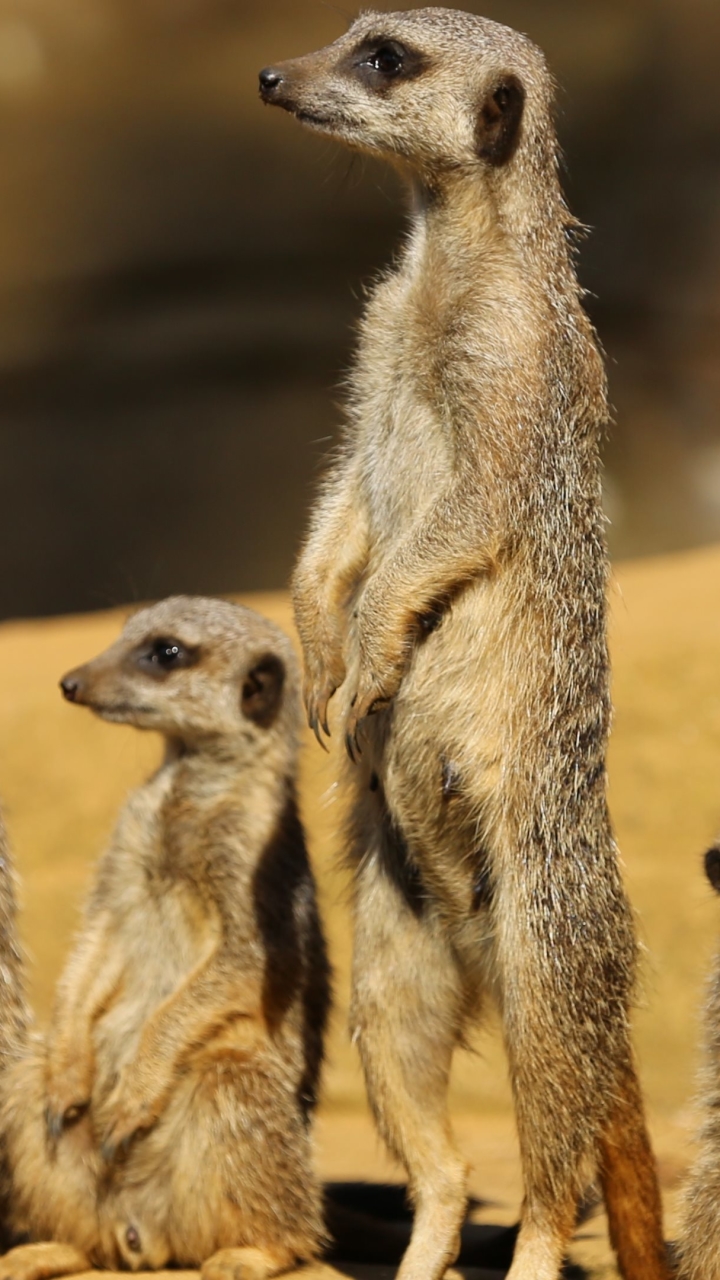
x: 699, y: 1244
x: 166, y: 1118
x: 15, y: 1015
x: 452, y: 588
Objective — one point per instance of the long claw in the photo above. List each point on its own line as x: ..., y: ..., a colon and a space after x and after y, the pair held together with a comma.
x: 322, y: 713
x: 53, y: 1124
x: 352, y: 738
x: 313, y: 723
x: 107, y: 1151
x: 111, y: 1149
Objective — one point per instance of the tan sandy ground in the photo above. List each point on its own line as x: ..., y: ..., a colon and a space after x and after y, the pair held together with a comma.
x: 63, y: 775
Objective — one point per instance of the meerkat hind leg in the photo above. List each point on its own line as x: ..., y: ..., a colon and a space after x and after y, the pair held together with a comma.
x: 630, y: 1187
x: 42, y: 1261
x: 550, y: 1170
x: 407, y: 1003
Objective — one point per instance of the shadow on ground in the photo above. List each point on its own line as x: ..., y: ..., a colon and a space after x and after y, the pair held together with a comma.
x: 370, y: 1225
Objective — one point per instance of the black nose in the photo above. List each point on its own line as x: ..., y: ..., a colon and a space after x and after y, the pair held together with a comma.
x: 269, y: 80
x: 70, y: 687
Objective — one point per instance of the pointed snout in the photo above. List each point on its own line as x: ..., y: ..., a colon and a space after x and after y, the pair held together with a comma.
x: 289, y: 84
x: 73, y: 685
x: 271, y: 79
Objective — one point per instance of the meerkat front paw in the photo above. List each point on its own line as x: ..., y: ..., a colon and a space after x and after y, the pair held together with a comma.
x: 127, y: 1112
x: 246, y: 1264
x: 317, y: 692
x: 324, y: 674
x: 384, y: 656
x: 321, y: 637
x: 68, y: 1091
x: 374, y: 693
x: 369, y: 699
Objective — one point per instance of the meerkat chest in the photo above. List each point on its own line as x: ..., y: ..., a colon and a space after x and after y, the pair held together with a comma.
x: 157, y: 892
x: 162, y: 925
x: 148, y: 856
x: 404, y: 437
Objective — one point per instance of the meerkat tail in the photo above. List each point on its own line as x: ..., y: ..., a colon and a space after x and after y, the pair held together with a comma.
x: 630, y: 1186
x: 698, y: 1244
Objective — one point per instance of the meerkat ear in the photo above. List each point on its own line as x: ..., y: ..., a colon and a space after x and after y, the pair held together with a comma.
x: 712, y: 867
x: 498, y: 127
x: 262, y: 690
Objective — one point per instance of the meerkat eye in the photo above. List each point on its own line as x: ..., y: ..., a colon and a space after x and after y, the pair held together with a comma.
x: 132, y: 1240
x: 165, y: 654
x: 388, y: 59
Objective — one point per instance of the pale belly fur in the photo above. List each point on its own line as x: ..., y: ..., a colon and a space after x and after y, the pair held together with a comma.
x: 161, y: 939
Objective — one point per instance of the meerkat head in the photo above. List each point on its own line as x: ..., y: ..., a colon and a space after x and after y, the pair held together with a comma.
x: 437, y: 89
x: 129, y: 1246
x: 196, y: 670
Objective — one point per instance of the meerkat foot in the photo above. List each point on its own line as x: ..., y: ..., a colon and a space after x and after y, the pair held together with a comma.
x: 540, y: 1248
x: 246, y: 1264
x: 435, y: 1241
x: 42, y: 1261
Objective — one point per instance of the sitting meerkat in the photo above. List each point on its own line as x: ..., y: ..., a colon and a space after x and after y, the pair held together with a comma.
x: 452, y: 595
x: 166, y: 1118
x: 699, y: 1244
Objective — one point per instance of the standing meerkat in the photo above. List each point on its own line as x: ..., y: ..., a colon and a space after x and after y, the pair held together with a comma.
x: 699, y: 1244
x: 452, y: 595
x: 166, y: 1119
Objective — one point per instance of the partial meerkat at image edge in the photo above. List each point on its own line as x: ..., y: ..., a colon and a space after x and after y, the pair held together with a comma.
x: 451, y: 598
x: 698, y: 1247
x: 166, y: 1117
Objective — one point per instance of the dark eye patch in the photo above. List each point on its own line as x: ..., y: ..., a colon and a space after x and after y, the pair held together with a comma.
x: 165, y: 654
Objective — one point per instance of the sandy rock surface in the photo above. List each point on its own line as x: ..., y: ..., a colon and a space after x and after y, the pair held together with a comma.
x: 63, y: 775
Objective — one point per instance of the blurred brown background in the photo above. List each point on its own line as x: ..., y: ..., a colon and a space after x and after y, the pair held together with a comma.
x: 180, y: 269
